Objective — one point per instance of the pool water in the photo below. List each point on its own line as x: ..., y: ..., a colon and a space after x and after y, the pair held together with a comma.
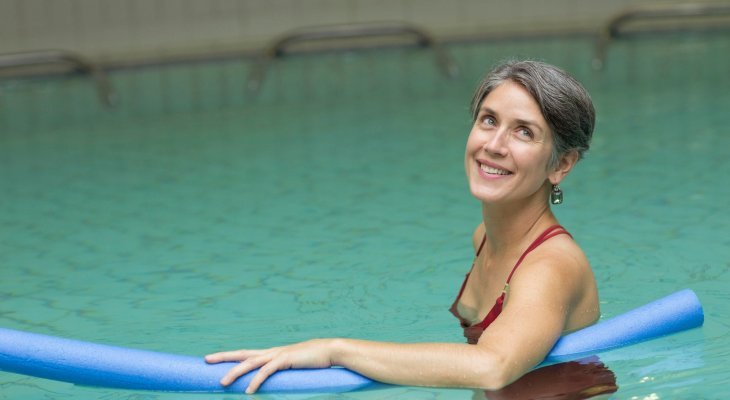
x: 197, y: 217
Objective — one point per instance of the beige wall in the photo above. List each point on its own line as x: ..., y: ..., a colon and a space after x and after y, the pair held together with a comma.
x: 112, y: 30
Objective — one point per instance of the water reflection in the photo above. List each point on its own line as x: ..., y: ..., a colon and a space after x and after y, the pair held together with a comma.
x: 582, y: 379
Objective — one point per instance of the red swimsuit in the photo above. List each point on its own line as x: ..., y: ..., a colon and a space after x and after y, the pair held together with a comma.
x: 473, y: 332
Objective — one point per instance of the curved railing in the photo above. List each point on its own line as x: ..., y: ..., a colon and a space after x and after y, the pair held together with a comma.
x: 279, y: 47
x: 612, y: 29
x: 76, y: 62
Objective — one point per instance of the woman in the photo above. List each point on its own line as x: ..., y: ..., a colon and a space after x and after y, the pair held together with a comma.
x: 532, y: 123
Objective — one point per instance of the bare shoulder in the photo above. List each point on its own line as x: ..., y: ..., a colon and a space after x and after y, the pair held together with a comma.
x: 560, y: 257
x: 558, y: 273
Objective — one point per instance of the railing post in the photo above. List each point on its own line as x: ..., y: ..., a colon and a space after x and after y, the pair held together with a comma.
x: 612, y: 29
x: 77, y: 63
x: 278, y: 47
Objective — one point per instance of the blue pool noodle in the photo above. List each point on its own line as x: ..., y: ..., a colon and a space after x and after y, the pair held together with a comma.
x: 102, y: 365
x: 677, y: 312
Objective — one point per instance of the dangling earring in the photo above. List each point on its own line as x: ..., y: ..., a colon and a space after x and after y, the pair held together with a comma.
x: 556, y: 196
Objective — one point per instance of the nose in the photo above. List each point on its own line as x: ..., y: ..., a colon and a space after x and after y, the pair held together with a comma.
x: 496, y: 142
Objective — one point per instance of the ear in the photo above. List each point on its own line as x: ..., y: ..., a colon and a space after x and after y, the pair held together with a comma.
x: 565, y: 164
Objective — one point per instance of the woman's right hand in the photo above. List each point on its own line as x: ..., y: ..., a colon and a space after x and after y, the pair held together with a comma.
x: 310, y: 354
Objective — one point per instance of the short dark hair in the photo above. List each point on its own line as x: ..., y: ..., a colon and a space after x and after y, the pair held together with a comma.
x: 564, y: 102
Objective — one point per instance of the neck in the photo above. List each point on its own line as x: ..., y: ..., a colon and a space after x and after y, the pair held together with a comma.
x: 507, y: 225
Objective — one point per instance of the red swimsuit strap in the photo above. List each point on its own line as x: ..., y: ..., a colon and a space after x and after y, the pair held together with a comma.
x: 551, y: 231
x: 481, y: 246
x: 547, y: 234
x: 498, y: 304
x: 473, y: 332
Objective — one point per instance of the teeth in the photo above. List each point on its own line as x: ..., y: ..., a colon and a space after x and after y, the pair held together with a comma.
x: 494, y: 171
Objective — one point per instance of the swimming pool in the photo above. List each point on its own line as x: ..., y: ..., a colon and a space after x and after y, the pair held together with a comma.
x: 194, y: 217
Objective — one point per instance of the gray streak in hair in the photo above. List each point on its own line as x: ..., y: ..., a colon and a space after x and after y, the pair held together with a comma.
x: 564, y: 102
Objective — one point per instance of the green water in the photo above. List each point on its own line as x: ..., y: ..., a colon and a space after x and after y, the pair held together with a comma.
x: 194, y: 217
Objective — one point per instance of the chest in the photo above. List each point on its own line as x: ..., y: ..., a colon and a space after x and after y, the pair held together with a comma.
x: 482, y: 289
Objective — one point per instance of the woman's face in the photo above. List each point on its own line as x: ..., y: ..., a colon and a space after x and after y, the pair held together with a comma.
x: 509, y: 146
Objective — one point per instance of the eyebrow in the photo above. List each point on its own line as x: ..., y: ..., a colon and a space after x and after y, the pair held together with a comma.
x: 518, y: 120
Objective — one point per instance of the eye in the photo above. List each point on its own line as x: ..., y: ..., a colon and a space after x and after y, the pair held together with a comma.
x: 525, y: 134
x: 488, y: 120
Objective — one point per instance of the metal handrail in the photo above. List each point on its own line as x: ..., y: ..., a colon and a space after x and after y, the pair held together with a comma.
x: 77, y: 62
x: 611, y: 30
x: 279, y: 46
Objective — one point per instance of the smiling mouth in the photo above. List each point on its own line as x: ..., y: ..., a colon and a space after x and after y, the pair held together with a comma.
x: 493, y: 171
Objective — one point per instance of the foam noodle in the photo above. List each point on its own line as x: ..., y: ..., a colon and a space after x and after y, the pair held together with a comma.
x: 101, y: 365
x: 677, y: 312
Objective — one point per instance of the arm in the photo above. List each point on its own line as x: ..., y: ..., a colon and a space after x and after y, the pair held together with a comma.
x: 518, y: 340
x: 530, y: 324
x: 422, y: 364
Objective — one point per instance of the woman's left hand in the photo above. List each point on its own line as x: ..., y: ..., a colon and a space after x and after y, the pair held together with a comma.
x: 310, y: 354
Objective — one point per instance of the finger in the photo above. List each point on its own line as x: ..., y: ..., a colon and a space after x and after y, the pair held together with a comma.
x: 242, y: 369
x: 264, y: 373
x: 236, y: 355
